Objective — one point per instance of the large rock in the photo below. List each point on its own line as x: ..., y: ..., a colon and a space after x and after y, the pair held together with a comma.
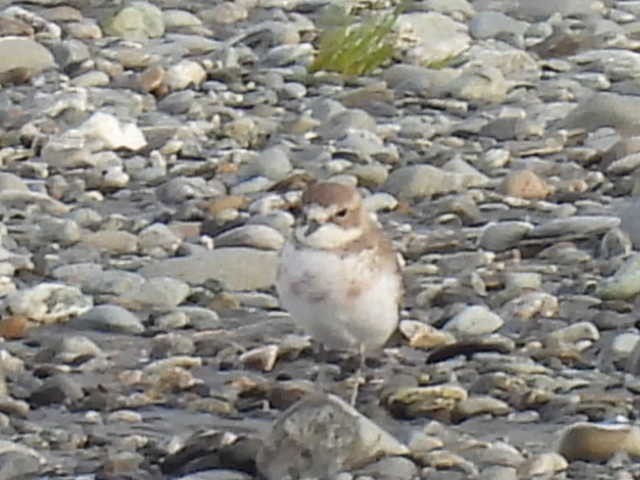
x: 138, y: 21
x: 320, y: 436
x: 110, y: 318
x: 417, y: 181
x: 437, y: 37
x: 108, y: 130
x: 542, y: 9
x: 237, y: 268
x: 49, y: 302
x: 605, y: 110
x: 17, y: 52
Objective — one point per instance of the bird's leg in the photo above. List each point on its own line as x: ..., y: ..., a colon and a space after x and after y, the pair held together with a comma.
x: 359, y: 377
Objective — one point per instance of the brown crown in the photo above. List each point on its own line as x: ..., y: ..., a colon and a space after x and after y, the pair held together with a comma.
x: 330, y: 193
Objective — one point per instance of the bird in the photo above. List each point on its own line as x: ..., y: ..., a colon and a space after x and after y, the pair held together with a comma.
x: 339, y: 275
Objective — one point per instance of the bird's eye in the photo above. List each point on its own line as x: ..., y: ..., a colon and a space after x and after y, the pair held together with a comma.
x: 341, y: 213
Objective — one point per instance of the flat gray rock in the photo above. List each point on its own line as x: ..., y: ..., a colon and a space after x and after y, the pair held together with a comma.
x: 110, y: 318
x: 18, y: 52
x: 237, y: 268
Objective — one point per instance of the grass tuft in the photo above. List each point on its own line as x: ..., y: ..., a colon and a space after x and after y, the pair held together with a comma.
x: 353, y: 48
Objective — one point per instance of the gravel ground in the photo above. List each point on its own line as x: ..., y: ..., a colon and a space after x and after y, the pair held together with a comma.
x: 151, y: 155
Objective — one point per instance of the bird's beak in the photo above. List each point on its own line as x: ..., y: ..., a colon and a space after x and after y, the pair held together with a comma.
x: 312, y: 226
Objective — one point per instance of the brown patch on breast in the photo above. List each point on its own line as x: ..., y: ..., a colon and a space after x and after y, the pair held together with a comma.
x: 355, y: 290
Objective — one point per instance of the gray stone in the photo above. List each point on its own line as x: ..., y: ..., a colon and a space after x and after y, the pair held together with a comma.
x: 391, y: 468
x: 454, y: 8
x: 278, y: 220
x: 113, y: 282
x: 490, y: 24
x: 630, y: 221
x: 63, y: 231
x: 341, y: 122
x: 365, y: 145
x: 425, y: 181
x: 543, y: 9
x: 184, y: 74
x: 500, y: 236
x: 482, y: 84
x: 272, y: 163
x: 577, y: 225
x: 256, y: 236
x: 498, y: 472
x: 17, y: 52
x: 475, y: 320
x: 158, y: 240
x: 320, y: 436
x: 11, y: 182
x: 177, y: 103
x: 418, y: 80
x: 237, y: 268
x: 57, y: 389
x: 114, y: 241
x: 624, y: 343
x: 220, y: 474
x: 200, y: 318
x: 226, y: 13
x: 49, y: 302
x: 438, y: 37
x: 70, y: 53
x: 110, y: 133
x: 158, y: 293
x: 617, y: 65
x: 171, y: 344
x: 110, y: 318
x: 180, y: 189
x: 15, y: 465
x: 605, y: 110
x: 252, y: 185
x: 624, y: 284
x: 175, y: 18
x: 68, y: 348
x: 138, y: 21
x: 90, y: 79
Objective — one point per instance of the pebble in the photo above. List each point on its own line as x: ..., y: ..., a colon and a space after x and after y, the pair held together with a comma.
x: 593, y: 442
x: 57, y: 389
x: 49, y: 303
x: 111, y: 318
x: 184, y: 74
x: 114, y: 241
x: 138, y: 21
x: 237, y: 268
x: 68, y: 349
x: 256, y: 236
x: 625, y: 283
x: 429, y: 31
x: 110, y: 133
x: 24, y: 53
x: 426, y: 181
x: 342, y: 438
x: 475, y: 320
x: 525, y: 184
x: 497, y: 237
x: 15, y: 464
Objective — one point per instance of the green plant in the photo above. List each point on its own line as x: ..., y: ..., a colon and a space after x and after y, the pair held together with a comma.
x: 353, y: 48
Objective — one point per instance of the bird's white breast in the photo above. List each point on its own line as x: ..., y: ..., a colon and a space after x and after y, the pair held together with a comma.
x: 341, y: 300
